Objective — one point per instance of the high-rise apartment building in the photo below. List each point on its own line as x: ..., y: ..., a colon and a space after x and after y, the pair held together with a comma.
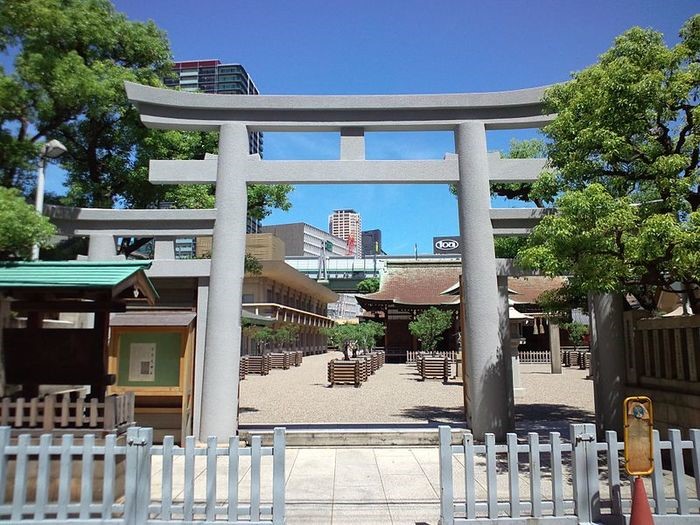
x: 211, y: 76
x: 347, y: 224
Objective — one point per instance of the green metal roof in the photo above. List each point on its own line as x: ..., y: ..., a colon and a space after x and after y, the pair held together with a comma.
x: 68, y: 274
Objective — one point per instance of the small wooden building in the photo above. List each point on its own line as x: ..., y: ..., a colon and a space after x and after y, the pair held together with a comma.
x: 407, y: 289
x: 39, y: 360
x: 151, y: 354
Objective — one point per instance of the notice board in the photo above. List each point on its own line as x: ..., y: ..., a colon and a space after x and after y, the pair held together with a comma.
x: 149, y: 359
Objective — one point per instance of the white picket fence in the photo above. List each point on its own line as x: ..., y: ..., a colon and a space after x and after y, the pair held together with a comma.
x: 60, y: 413
x: 412, y: 355
x: 532, y: 357
x: 579, y: 481
x: 60, y: 480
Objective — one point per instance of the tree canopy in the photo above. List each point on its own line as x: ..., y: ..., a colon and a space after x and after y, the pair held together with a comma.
x: 369, y: 285
x: 20, y: 226
x: 624, y: 152
x: 362, y: 335
x: 71, y: 58
x: 429, y: 327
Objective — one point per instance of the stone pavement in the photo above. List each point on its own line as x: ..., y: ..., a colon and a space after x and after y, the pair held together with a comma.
x: 354, y: 485
x: 335, y: 485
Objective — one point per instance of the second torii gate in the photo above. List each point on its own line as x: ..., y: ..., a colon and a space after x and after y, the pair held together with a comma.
x: 488, y: 396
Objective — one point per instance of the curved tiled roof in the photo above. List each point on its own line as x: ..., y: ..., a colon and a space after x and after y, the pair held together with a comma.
x: 417, y: 282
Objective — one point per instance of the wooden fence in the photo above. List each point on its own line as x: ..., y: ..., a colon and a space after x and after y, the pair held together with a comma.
x: 61, y: 412
x: 663, y: 352
x: 575, y: 481
x: 142, y: 502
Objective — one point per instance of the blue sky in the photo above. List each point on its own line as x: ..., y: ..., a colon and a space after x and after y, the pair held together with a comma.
x: 396, y: 46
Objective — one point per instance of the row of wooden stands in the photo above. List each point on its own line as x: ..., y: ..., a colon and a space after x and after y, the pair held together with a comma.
x: 433, y: 367
x: 263, y: 364
x: 356, y: 370
x: 576, y: 358
x: 286, y: 359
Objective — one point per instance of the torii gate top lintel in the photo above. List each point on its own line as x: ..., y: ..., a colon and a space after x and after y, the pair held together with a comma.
x: 171, y: 109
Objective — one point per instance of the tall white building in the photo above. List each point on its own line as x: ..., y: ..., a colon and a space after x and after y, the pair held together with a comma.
x: 347, y: 224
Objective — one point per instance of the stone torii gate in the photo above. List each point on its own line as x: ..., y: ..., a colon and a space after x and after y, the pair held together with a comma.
x: 488, y: 397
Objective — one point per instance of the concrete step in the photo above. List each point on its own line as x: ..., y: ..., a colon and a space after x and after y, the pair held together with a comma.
x: 374, y: 436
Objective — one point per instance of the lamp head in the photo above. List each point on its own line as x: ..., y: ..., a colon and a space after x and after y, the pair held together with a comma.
x: 53, y: 149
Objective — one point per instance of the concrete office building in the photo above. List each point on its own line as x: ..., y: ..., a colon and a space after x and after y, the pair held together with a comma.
x: 372, y: 242
x: 347, y: 224
x: 301, y: 239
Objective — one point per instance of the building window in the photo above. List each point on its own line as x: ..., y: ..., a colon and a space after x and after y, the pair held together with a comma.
x: 248, y: 298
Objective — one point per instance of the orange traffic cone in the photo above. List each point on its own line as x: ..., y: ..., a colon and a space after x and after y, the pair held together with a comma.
x: 641, y: 512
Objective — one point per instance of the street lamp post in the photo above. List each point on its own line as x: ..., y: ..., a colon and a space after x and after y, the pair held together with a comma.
x: 51, y: 150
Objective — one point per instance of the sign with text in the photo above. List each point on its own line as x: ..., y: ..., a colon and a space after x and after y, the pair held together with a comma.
x: 449, y: 245
x: 639, y: 421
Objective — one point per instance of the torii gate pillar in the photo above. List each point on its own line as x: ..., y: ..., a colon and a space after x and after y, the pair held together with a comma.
x: 486, y: 397
x: 222, y: 351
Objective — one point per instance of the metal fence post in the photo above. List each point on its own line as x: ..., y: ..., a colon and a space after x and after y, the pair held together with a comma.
x: 278, y: 477
x: 447, y: 514
x: 137, y: 496
x: 585, y: 472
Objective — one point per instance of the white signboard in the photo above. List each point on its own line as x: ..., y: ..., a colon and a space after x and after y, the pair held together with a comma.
x: 142, y: 362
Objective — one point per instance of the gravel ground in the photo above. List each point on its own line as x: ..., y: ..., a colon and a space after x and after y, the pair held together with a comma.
x: 395, y: 395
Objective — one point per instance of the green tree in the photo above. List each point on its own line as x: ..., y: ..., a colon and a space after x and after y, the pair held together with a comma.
x: 625, y: 151
x: 369, y: 285
x: 261, y: 336
x: 430, y: 326
x: 577, y: 332
x: 508, y: 246
x: 521, y: 149
x: 343, y: 336
x: 20, y: 226
x: 286, y: 334
x: 72, y: 58
x: 368, y: 333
